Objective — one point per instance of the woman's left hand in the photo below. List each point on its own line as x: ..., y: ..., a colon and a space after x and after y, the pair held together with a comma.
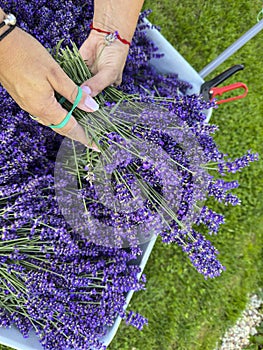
x: 106, y: 62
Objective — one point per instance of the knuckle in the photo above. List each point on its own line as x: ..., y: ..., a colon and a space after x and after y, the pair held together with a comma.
x: 56, y: 74
x: 118, y: 81
x: 74, y: 93
x: 45, y: 110
x: 54, y: 71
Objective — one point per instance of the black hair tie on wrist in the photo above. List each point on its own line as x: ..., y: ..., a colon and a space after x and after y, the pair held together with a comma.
x: 10, y: 20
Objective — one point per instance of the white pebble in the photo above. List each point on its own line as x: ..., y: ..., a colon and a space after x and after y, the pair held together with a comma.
x: 237, y: 337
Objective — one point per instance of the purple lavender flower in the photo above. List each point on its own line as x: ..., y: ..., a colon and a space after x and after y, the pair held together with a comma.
x: 211, y: 219
x: 237, y: 164
x: 203, y: 256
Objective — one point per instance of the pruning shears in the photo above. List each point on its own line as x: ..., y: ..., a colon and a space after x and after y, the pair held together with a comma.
x: 209, y: 89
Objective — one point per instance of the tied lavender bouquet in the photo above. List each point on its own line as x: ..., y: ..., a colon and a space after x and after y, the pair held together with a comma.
x: 72, y: 221
x: 151, y: 177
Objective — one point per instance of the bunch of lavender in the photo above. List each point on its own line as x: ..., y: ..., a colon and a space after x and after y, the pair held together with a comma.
x: 35, y: 238
x: 151, y: 176
x: 53, y: 281
x: 49, y: 275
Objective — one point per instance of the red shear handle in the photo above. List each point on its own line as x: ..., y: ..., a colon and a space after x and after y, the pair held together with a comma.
x: 221, y: 90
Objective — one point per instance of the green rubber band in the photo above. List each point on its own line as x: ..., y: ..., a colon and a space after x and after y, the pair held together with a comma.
x: 67, y: 118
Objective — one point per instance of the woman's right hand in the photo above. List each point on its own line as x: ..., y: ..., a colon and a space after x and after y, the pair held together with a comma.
x: 31, y: 76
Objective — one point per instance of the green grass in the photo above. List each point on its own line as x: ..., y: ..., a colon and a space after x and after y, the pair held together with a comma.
x: 186, y: 312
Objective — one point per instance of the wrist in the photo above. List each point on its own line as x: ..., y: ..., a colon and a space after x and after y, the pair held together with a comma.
x: 115, y: 15
x: 110, y: 37
x: 2, y: 17
x: 7, y: 24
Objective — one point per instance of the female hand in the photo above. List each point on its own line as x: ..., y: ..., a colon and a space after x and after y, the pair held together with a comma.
x: 106, y: 62
x: 31, y: 76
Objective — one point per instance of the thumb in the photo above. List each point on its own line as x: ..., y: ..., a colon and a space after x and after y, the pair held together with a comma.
x: 61, y: 83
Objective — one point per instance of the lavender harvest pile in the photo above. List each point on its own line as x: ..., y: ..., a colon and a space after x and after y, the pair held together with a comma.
x: 52, y: 281
x: 72, y: 221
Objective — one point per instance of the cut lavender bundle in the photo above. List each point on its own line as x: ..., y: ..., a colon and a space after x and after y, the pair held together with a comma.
x: 65, y: 288
x: 151, y: 176
x: 50, y: 276
x: 68, y: 303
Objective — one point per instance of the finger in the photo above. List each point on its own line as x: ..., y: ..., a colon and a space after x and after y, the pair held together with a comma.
x: 61, y: 83
x: 72, y: 129
x: 77, y: 133
x: 86, y: 52
x: 101, y: 80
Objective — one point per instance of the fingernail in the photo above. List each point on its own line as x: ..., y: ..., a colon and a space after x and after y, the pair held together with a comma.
x: 91, y: 103
x: 86, y: 89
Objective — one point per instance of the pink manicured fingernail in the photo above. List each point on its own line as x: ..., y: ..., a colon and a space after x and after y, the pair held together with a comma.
x: 92, y: 104
x: 86, y: 89
x: 89, y: 101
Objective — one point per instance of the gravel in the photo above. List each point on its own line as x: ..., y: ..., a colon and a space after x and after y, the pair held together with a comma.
x: 237, y: 337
